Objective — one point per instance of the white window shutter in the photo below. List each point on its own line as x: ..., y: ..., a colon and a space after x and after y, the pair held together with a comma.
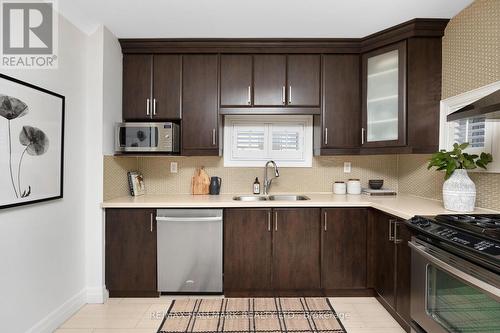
x: 287, y: 141
x: 248, y: 141
x: 251, y: 141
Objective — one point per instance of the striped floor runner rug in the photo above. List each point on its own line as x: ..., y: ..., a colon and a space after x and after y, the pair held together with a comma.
x: 252, y: 315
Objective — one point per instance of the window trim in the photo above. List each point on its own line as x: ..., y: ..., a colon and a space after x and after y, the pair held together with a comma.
x: 492, y: 128
x: 307, y: 122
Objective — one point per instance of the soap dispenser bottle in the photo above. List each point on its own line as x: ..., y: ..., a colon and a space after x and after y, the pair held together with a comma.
x: 256, y: 186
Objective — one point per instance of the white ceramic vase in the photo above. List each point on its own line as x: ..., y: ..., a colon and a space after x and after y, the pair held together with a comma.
x: 459, y: 192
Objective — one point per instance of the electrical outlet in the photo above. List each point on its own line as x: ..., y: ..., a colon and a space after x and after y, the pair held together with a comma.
x: 347, y: 167
x: 173, y: 167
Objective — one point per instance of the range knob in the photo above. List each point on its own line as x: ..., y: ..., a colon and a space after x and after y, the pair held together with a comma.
x: 415, y: 220
x: 425, y: 224
x: 420, y: 222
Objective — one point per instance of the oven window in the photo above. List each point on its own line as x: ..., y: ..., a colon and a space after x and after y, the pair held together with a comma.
x: 139, y: 137
x: 458, y: 307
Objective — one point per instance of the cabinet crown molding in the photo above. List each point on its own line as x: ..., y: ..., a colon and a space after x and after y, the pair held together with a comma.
x: 419, y: 27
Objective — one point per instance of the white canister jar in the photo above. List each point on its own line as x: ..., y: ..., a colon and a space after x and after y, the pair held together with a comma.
x: 339, y: 188
x: 353, y: 186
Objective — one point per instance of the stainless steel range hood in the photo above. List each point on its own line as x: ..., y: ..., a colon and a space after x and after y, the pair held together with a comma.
x: 487, y: 107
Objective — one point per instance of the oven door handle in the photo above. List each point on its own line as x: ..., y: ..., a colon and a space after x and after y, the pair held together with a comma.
x: 489, y: 289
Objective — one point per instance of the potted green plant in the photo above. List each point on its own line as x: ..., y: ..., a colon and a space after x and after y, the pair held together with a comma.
x: 459, y: 191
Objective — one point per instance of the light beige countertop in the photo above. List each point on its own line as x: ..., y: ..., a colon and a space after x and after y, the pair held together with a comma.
x: 403, y: 206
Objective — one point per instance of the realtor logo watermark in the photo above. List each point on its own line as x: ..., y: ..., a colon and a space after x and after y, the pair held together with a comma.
x: 29, y: 34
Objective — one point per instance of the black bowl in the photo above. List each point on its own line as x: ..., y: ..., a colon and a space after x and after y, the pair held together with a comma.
x: 376, y: 184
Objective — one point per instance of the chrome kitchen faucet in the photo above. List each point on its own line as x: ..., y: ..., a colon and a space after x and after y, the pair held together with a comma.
x: 267, y: 181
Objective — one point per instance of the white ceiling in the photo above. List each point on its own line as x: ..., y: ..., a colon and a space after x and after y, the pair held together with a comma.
x: 251, y: 18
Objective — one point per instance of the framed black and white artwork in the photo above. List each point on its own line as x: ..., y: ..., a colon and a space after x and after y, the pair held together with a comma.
x: 31, y: 143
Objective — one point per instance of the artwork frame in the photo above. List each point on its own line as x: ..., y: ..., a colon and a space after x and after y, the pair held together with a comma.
x: 35, y: 142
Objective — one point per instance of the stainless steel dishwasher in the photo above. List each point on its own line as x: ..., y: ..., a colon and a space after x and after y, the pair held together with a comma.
x: 189, y: 250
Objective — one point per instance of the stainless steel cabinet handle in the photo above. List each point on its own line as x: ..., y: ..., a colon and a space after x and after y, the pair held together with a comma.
x: 154, y: 106
x: 268, y: 221
x: 326, y: 135
x: 275, y: 221
x: 213, y: 137
x: 326, y: 222
x: 290, y: 94
x: 396, y: 240
x: 391, y: 237
x: 249, y: 101
x: 283, y: 93
x: 147, y: 106
x: 363, y: 136
x: 188, y: 219
x: 151, y: 222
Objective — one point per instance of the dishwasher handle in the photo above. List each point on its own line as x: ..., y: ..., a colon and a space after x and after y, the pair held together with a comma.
x: 189, y: 219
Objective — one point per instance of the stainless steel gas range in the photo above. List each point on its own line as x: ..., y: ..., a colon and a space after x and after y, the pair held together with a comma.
x: 455, y: 273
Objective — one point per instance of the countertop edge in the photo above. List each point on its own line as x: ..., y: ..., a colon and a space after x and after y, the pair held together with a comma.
x: 402, y: 206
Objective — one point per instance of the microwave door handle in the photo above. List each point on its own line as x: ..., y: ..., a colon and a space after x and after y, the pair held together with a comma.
x: 489, y: 289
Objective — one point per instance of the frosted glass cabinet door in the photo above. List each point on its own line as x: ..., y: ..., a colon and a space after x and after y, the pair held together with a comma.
x: 384, y: 121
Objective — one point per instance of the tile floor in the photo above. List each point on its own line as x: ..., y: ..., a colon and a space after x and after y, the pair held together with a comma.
x: 144, y: 315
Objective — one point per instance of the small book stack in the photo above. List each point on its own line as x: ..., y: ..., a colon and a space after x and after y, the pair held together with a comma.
x: 380, y: 192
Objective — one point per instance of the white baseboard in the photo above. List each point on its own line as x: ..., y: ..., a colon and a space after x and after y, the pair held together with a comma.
x: 57, y: 317
x: 97, y: 295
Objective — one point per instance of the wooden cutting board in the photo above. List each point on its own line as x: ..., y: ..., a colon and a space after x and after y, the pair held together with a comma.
x: 200, y: 182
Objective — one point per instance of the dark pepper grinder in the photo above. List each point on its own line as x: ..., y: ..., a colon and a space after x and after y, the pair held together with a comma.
x: 215, y: 184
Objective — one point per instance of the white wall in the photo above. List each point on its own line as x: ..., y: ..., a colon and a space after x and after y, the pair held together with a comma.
x: 42, y: 250
x: 104, y: 76
x: 52, y: 254
x: 112, y: 89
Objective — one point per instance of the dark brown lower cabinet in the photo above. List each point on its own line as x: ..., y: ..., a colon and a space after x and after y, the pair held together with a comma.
x: 390, y: 264
x: 344, y: 263
x: 384, y: 253
x: 296, y: 249
x: 402, y: 236
x: 272, y: 251
x: 131, y: 252
x: 247, y: 250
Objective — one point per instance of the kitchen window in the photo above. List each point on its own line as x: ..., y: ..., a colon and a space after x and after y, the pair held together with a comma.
x: 250, y: 141
x: 482, y: 134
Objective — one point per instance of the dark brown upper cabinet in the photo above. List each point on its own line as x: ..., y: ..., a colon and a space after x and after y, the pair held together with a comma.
x: 131, y: 252
x: 303, y: 78
x: 137, y: 86
x: 341, y: 112
x: 151, y: 87
x: 384, y: 97
x: 344, y: 263
x: 167, y: 85
x: 236, y: 84
x: 200, y: 105
x: 269, y: 80
x: 387, y: 102
x: 401, y: 94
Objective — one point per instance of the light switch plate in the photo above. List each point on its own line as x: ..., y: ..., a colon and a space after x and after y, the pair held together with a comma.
x: 173, y: 167
x: 347, y: 167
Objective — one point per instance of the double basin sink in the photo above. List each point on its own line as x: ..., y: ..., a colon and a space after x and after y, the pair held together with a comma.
x: 283, y: 197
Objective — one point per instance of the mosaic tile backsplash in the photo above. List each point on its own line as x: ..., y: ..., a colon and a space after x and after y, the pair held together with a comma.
x: 319, y: 178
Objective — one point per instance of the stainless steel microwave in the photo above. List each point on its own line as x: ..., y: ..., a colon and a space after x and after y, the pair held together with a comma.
x: 147, y: 137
